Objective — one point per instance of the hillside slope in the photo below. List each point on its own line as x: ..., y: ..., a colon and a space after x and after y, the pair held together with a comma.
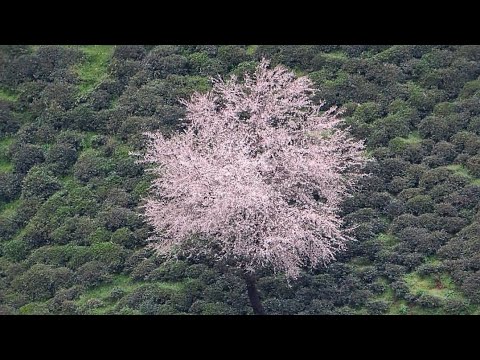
x: 71, y: 240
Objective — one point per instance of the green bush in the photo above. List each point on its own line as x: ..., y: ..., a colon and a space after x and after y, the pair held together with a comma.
x: 124, y: 236
x: 15, y: 250
x: 92, y: 273
x: 40, y: 282
x: 420, y: 204
x: 113, y: 255
x: 473, y: 165
x: 38, y: 183
x: 61, y: 157
x: 377, y: 307
x: 89, y: 165
x: 75, y: 230
x: 10, y: 186
x: 25, y: 156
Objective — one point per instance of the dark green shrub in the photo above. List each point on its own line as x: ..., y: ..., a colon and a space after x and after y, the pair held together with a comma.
x: 90, y: 165
x: 429, y: 301
x: 116, y: 217
x: 83, y: 118
x: 61, y: 157
x: 473, y: 165
x: 75, y: 230
x: 232, y: 55
x: 25, y: 156
x: 40, y: 282
x: 39, y: 184
x: 129, y: 52
x: 9, y: 124
x: 173, y: 271
x: 420, y: 204
x: 16, y: 250
x: 124, y: 236
x: 471, y: 286
x: 10, y: 186
x: 92, y: 273
x: 160, y: 66
x: 112, y: 255
x: 377, y: 307
x: 455, y: 306
x: 144, y: 271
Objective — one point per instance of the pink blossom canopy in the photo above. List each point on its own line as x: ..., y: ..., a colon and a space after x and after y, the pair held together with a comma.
x: 258, y: 175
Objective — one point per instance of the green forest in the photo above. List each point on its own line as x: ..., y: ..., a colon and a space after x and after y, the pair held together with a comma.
x: 72, y: 237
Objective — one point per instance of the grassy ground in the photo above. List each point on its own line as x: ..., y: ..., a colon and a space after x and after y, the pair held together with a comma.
x: 461, y: 170
x: 87, y: 140
x: 5, y: 164
x: 8, y: 95
x: 413, y: 138
x: 335, y: 55
x: 251, y: 49
x: 93, y: 70
x: 8, y: 209
x: 101, y: 293
x: 387, y: 239
x: 440, y: 286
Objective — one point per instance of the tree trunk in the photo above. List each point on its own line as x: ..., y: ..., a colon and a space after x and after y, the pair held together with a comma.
x: 253, y: 294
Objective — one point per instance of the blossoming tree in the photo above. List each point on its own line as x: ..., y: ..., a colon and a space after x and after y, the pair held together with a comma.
x: 256, y: 179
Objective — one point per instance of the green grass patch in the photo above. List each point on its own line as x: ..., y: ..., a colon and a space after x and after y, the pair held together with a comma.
x: 46, y: 147
x: 299, y: 72
x: 93, y: 70
x: 87, y: 139
x: 335, y: 55
x: 402, y: 307
x: 459, y: 169
x: 34, y: 308
x: 413, y: 138
x: 123, y: 282
x: 8, y: 209
x: 8, y: 95
x: 114, y: 102
x: 340, y: 79
x: 122, y: 150
x: 360, y: 261
x: 400, y: 143
x: 198, y: 83
x: 387, y: 239
x: 387, y: 295
x: 474, y: 309
x: 4, y: 145
x: 361, y: 311
x: 462, y: 171
x: 469, y: 89
x: 440, y: 285
x: 5, y: 164
x: 69, y: 182
x: 432, y: 260
x: 399, y: 307
x: 251, y: 49
x: 103, y: 291
x: 389, y: 54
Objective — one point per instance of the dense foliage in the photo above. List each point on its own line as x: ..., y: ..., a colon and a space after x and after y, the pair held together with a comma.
x: 71, y: 239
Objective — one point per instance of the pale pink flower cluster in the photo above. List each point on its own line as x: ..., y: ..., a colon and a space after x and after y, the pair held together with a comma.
x: 258, y: 175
